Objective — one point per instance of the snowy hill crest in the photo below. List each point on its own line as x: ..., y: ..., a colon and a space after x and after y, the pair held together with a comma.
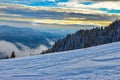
x: 95, y: 63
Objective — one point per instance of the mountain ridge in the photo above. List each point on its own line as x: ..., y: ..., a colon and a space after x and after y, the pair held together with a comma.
x: 88, y: 38
x: 32, y: 38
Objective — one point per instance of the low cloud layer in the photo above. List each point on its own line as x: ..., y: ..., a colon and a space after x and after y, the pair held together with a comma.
x: 6, y: 49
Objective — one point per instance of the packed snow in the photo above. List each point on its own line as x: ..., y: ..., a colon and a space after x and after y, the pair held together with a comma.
x: 95, y: 63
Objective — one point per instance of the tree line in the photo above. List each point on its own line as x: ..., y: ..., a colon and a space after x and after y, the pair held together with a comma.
x: 88, y: 38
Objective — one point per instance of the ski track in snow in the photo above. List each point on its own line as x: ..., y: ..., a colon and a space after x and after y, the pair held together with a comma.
x: 95, y: 63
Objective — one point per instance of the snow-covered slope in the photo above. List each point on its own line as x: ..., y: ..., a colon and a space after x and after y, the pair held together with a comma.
x: 95, y: 63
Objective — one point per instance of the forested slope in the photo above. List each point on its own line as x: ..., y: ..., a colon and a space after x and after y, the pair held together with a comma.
x: 88, y: 38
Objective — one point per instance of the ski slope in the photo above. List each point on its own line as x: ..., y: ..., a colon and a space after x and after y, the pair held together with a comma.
x: 95, y: 63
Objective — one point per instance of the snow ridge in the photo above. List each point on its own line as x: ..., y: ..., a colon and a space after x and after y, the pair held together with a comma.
x: 95, y: 63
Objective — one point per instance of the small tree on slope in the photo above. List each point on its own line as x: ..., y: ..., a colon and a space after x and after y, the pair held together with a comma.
x: 13, y: 55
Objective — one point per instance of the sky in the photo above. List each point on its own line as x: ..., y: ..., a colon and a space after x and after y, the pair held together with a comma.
x: 108, y: 6
x: 61, y: 11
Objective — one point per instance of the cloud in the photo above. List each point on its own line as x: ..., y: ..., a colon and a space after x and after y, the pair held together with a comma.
x: 76, y: 8
x: 73, y: 6
x: 51, y: 0
x: 93, y: 5
x: 107, y: 7
x: 50, y: 41
x: 6, y: 48
x: 115, y: 5
x: 56, y: 15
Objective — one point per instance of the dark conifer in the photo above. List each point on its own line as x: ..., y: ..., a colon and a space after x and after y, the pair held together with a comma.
x: 13, y: 55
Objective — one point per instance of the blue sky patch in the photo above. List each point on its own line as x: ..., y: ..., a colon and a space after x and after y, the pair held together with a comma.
x: 62, y: 0
x: 87, y: 3
x: 45, y: 4
x: 113, y: 11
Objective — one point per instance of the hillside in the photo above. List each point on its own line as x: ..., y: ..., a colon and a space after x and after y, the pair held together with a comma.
x: 29, y: 37
x: 95, y: 63
x: 88, y: 38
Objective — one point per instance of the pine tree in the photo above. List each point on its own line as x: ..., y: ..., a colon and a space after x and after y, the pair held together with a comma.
x: 13, y: 55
